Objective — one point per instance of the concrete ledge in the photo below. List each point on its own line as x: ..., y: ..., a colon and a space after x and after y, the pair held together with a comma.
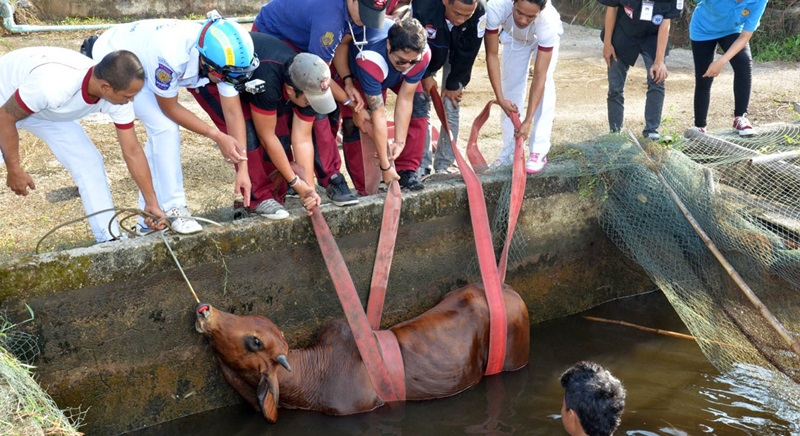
x: 116, y: 321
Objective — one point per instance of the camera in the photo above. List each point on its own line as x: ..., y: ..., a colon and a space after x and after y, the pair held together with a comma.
x: 255, y: 86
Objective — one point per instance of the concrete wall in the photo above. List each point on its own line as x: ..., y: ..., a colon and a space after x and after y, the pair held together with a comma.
x: 116, y: 321
x: 120, y: 9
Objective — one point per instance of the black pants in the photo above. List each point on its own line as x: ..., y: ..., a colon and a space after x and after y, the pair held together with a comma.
x: 742, y: 63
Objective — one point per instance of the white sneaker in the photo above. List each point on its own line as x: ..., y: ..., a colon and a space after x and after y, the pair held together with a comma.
x: 271, y: 209
x: 654, y: 136
x: 535, y: 163
x: 182, y: 222
x: 743, y: 126
x: 699, y: 129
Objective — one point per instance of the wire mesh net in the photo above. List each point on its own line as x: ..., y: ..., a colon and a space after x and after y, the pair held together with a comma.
x: 26, y: 409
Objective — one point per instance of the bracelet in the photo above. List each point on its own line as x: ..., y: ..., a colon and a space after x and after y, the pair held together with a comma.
x: 400, y: 142
x: 349, y: 100
x: 385, y: 169
x: 294, y: 181
x: 349, y: 76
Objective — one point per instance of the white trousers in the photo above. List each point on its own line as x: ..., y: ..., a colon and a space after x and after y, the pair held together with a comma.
x: 516, y: 59
x: 75, y: 151
x: 163, y: 151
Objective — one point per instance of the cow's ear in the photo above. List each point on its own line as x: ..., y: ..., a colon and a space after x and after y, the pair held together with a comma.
x: 268, y: 397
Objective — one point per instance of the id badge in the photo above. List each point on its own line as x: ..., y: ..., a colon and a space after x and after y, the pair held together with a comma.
x: 647, y: 11
x: 679, y: 5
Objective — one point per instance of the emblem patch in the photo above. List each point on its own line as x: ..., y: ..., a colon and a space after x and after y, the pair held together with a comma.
x: 163, y: 76
x: 326, y: 39
x: 657, y: 19
x: 431, y: 31
x: 745, y: 12
x: 629, y: 11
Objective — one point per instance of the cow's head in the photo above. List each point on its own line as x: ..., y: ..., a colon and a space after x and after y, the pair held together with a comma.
x: 249, y: 349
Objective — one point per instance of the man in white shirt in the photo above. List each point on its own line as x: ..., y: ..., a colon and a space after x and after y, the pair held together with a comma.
x: 526, y: 28
x: 44, y: 90
x: 186, y: 54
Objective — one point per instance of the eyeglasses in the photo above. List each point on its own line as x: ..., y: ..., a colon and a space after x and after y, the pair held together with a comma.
x: 236, y: 76
x: 402, y: 61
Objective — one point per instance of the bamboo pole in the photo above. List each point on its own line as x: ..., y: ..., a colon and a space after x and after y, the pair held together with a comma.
x: 794, y: 345
x: 658, y: 331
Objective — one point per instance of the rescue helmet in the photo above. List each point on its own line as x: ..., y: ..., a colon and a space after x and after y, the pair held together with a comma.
x: 227, y: 50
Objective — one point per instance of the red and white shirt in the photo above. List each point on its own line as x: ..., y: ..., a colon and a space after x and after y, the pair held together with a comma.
x: 546, y: 29
x: 52, y: 83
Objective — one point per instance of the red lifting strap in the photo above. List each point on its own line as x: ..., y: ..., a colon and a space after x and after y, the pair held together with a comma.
x: 353, y: 310
x: 483, y: 245
x: 383, y: 258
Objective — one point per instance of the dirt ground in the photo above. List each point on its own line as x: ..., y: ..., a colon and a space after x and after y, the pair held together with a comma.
x: 580, y: 115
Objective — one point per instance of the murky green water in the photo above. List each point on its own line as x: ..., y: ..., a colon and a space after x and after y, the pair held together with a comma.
x: 672, y: 390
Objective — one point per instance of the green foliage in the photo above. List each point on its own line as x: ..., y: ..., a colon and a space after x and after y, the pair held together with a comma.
x: 775, y: 46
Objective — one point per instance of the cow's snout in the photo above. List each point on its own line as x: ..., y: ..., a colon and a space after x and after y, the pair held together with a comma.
x: 202, y: 312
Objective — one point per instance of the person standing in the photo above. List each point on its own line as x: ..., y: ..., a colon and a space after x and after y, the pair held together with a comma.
x: 185, y: 54
x: 729, y: 25
x: 455, y: 31
x: 526, y: 28
x: 327, y: 26
x: 45, y: 90
x: 633, y: 28
x: 395, y: 59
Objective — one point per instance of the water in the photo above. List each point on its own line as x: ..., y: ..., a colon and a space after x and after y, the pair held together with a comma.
x: 672, y: 390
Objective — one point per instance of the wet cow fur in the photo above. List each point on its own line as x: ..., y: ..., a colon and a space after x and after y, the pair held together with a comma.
x: 444, y: 352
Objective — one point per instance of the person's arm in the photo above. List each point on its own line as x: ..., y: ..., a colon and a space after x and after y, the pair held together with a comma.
x: 234, y: 124
x: 303, y: 151
x: 380, y: 137
x: 140, y: 172
x: 540, y: 67
x: 741, y: 42
x: 403, y: 107
x: 228, y: 145
x: 341, y: 61
x: 491, y: 42
x: 16, y: 178
x: 608, y: 48
x: 265, y: 128
x: 659, y: 72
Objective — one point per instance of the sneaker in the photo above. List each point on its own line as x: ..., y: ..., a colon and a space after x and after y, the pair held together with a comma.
x: 535, y: 163
x: 140, y: 230
x: 182, y: 221
x: 653, y: 136
x: 339, y: 193
x: 291, y: 193
x: 743, y: 126
x: 410, y: 181
x: 499, y: 163
x: 699, y: 129
x: 271, y: 209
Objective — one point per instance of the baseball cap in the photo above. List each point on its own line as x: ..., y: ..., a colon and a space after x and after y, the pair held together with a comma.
x: 372, y: 12
x: 310, y: 74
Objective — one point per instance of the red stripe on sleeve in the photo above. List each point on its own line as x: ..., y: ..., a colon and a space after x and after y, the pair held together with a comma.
x: 125, y: 126
x: 306, y: 118
x: 22, y: 103
x: 545, y: 48
x: 493, y: 30
x: 263, y: 111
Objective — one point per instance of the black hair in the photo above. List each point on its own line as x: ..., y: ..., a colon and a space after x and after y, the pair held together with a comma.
x: 466, y: 2
x: 119, y: 68
x: 595, y: 395
x: 407, y: 34
x: 540, y: 3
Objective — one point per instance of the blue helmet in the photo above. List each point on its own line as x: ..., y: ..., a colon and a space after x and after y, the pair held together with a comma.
x: 227, y: 50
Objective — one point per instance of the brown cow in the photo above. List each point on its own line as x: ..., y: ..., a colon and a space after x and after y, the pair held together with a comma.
x: 444, y: 352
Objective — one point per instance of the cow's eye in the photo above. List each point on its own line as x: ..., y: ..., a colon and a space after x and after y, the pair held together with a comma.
x: 253, y: 344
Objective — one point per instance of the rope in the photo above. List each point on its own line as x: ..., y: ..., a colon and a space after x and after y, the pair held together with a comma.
x: 178, y: 264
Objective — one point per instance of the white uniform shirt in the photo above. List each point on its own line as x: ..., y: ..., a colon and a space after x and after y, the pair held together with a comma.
x: 51, y: 83
x: 166, y: 48
x: 545, y: 30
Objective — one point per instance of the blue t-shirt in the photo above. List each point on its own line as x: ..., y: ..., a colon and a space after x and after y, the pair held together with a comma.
x: 373, y: 69
x: 312, y: 26
x: 714, y: 19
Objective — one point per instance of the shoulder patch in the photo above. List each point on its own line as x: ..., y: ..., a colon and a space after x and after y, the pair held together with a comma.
x: 657, y: 19
x: 163, y: 76
x: 373, y: 64
x: 481, y: 26
x: 430, y: 29
x: 326, y: 39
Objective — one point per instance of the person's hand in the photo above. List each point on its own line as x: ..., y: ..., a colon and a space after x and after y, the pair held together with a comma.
x: 243, y: 186
x: 453, y: 96
x: 609, y: 53
x: 389, y: 175
x: 508, y: 107
x: 428, y: 83
x: 353, y: 94
x: 232, y: 151
x: 395, y: 148
x: 714, y: 69
x: 19, y: 181
x: 659, y: 72
x: 524, y: 130
x: 308, y: 195
x: 361, y: 119
x: 160, y: 222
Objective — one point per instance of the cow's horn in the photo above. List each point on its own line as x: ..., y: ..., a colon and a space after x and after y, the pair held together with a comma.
x: 284, y: 363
